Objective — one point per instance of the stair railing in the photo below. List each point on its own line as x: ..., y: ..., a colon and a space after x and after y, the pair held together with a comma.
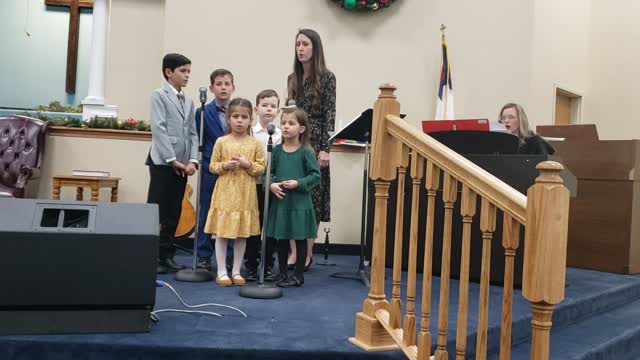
x: 543, y: 212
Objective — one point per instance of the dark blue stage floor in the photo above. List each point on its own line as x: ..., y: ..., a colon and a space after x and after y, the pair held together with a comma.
x: 315, y: 321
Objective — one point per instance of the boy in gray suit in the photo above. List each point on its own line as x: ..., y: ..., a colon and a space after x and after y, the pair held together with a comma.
x: 174, y: 152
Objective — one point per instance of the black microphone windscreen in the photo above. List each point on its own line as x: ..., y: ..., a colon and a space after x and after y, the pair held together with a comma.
x: 271, y: 129
x: 203, y: 95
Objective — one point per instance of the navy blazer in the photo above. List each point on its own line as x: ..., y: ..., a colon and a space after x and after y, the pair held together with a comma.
x: 212, y: 129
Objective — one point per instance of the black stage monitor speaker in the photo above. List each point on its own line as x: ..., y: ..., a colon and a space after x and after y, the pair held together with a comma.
x: 76, y: 267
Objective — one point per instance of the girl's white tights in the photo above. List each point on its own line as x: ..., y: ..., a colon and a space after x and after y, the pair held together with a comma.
x: 239, y: 246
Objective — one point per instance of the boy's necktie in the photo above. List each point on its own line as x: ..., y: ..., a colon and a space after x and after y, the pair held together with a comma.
x: 181, y: 98
x: 221, y: 109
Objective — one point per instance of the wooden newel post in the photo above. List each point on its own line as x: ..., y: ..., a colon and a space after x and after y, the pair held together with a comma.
x: 386, y: 156
x: 545, y: 252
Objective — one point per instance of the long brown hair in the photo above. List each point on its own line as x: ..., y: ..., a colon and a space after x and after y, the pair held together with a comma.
x: 318, y: 68
x: 239, y: 103
x: 303, y: 120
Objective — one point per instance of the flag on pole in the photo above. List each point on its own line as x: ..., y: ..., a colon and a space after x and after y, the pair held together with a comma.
x: 444, y: 106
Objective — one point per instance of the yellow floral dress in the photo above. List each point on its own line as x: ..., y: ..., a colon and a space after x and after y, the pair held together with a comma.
x: 234, y: 203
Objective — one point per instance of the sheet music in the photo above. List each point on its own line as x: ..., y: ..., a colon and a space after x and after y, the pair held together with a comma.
x: 498, y: 127
x: 350, y: 143
x: 550, y: 138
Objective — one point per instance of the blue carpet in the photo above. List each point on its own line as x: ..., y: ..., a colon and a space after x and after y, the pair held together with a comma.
x: 316, y: 320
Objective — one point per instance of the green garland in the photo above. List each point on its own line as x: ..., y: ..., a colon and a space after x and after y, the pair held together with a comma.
x: 99, y: 122
x: 95, y: 123
x: 364, y: 5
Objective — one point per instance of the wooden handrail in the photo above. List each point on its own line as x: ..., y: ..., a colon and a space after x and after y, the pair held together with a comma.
x: 477, y: 179
x: 543, y: 212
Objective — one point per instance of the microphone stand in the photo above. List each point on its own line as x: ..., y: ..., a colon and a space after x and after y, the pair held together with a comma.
x: 260, y: 290
x: 325, y: 261
x: 194, y: 274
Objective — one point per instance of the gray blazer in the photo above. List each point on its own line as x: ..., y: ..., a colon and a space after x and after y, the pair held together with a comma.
x: 173, y: 127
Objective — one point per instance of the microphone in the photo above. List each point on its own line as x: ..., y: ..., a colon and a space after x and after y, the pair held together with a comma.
x: 271, y: 129
x: 203, y: 95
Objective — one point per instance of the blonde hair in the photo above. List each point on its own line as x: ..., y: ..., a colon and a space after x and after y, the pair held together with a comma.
x: 524, y: 130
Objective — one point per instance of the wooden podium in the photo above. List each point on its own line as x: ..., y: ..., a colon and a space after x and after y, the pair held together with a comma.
x: 604, y: 217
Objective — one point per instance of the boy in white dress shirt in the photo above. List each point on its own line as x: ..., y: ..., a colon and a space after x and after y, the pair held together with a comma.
x: 267, y: 109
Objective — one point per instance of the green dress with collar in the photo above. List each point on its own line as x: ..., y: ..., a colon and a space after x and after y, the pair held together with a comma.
x: 293, y: 217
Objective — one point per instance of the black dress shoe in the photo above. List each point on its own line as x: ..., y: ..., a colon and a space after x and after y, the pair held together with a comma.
x: 292, y: 281
x: 269, y: 275
x: 171, y: 265
x: 161, y: 269
x: 251, y: 275
x: 204, y: 263
x: 276, y: 279
x: 306, y: 268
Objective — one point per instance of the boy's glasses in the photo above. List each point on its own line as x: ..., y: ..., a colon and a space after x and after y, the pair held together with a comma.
x: 503, y: 118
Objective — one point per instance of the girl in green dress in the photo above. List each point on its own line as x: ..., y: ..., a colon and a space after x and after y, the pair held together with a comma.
x: 294, y: 173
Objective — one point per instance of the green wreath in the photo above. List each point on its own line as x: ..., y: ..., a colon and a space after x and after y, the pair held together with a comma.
x: 364, y: 4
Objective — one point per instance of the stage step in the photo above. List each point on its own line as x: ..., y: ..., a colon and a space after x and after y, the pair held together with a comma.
x: 611, y: 335
x: 575, y: 309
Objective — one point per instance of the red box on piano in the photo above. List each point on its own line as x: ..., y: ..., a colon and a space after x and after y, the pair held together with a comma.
x: 429, y: 126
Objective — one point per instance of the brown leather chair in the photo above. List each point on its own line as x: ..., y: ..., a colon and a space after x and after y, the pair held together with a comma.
x: 21, y: 146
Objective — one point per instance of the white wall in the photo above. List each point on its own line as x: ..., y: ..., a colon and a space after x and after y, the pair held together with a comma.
x: 613, y: 60
x: 134, y: 62
x: 254, y: 39
x: 559, y: 55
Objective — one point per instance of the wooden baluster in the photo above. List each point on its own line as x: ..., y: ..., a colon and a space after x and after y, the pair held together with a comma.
x: 545, y: 252
x: 385, y: 158
x: 449, y: 196
x: 468, y: 211
x: 487, y: 226
x: 510, y: 243
x: 432, y: 184
x: 396, y: 304
x: 417, y: 171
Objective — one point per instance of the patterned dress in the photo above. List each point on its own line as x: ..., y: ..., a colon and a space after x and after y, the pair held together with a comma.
x: 321, y: 120
x: 234, y: 203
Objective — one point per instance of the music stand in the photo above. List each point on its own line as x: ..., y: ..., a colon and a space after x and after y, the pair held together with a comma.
x: 359, y: 131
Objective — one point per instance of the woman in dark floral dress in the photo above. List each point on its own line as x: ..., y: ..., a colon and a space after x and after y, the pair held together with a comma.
x: 313, y: 87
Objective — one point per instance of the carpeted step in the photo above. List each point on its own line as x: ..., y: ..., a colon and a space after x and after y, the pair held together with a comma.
x: 611, y: 335
x: 609, y: 292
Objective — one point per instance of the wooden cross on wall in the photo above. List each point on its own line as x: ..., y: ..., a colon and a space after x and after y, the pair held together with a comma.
x: 72, y: 48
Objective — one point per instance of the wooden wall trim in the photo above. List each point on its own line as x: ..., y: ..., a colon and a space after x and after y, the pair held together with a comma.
x: 99, y: 133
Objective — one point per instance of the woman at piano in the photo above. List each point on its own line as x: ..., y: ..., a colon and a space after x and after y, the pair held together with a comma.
x: 513, y: 117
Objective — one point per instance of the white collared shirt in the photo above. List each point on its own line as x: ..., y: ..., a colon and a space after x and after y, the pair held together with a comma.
x: 176, y: 92
x: 261, y: 134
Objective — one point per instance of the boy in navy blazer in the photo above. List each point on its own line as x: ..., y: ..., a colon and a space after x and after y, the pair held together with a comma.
x: 222, y: 87
x: 174, y: 152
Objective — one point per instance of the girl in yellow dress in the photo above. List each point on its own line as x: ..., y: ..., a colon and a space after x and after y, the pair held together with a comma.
x: 237, y: 158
